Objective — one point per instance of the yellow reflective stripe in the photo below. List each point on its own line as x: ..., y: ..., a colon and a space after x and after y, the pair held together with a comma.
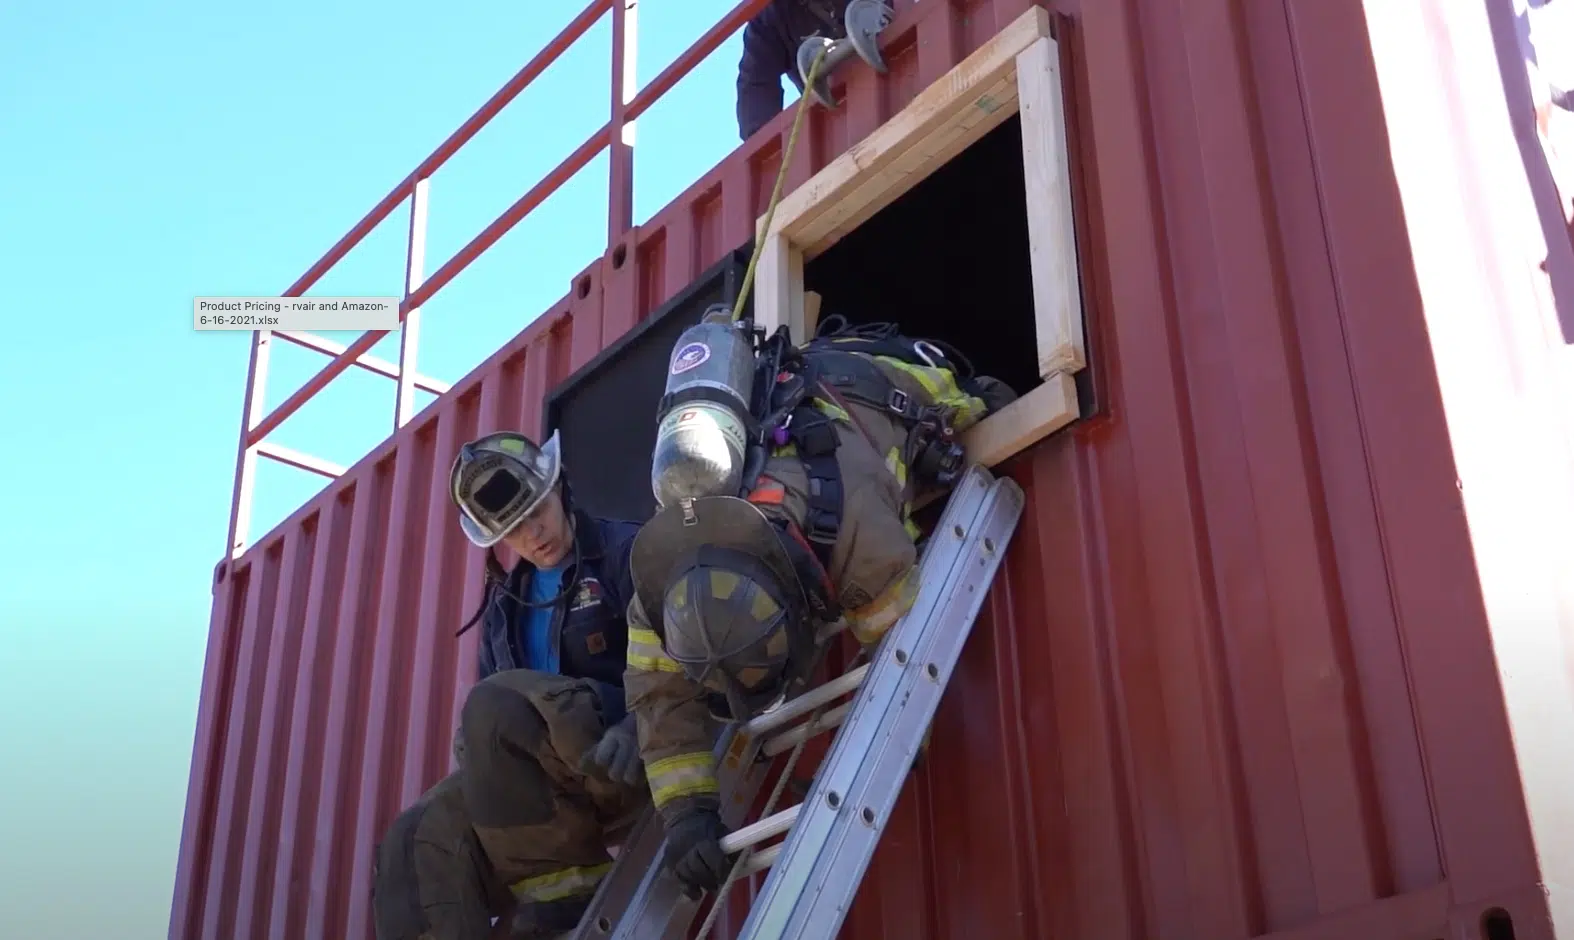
x: 941, y: 386
x: 645, y: 652
x: 557, y: 885
x: 682, y: 775
x: 895, y: 464
x: 969, y: 411
x: 898, y: 468
x: 870, y: 622
x: 937, y: 382
x: 831, y: 410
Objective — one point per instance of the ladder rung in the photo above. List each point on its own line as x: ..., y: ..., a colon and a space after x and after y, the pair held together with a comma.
x: 642, y: 900
x: 755, y: 833
x: 808, y: 701
x: 790, y: 738
x: 761, y: 860
x: 828, y: 850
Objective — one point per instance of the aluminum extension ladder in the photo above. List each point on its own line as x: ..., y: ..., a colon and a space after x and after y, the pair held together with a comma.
x: 832, y: 834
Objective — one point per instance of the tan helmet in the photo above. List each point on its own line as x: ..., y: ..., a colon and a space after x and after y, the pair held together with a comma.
x: 719, y: 586
x: 498, y: 480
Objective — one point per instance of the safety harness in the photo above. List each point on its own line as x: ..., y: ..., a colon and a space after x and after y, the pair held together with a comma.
x: 833, y: 364
x: 836, y: 366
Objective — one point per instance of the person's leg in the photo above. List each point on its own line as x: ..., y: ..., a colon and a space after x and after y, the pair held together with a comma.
x: 430, y: 880
x: 539, y: 818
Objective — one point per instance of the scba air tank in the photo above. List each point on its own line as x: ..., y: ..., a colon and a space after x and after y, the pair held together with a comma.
x: 702, y: 436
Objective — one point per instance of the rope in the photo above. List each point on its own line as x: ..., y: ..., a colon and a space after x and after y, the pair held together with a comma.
x: 770, y: 807
x: 781, y: 180
x: 720, y: 897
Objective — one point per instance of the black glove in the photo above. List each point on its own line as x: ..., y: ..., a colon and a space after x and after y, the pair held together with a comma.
x: 616, y: 756
x: 995, y: 393
x: 694, y: 851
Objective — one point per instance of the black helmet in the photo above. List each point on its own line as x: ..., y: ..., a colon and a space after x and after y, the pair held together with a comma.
x: 498, y: 480
x: 721, y: 590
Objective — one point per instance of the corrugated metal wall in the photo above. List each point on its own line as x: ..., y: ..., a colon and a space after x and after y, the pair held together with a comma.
x: 1236, y: 679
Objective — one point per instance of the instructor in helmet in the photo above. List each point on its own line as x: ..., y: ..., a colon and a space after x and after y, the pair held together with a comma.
x: 547, y: 753
x: 731, y: 587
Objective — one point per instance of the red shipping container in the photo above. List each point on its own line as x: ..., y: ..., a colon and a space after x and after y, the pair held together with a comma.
x: 1279, y: 650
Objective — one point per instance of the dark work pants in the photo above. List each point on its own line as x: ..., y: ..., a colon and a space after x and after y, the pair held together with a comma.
x: 518, y: 817
x: 432, y: 880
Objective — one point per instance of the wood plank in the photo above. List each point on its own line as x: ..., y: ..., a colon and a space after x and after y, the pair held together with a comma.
x: 811, y: 313
x: 1024, y: 422
x: 919, y: 158
x: 1052, y: 247
x: 943, y: 120
x: 1018, y: 426
x: 778, y: 287
x: 825, y: 203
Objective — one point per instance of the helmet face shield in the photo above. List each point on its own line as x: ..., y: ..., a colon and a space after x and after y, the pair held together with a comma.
x: 499, y: 481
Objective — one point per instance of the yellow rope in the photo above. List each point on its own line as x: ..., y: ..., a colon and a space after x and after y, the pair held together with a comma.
x: 781, y: 179
x: 737, y: 311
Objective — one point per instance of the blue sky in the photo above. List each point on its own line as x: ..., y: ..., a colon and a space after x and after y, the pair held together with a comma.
x: 154, y: 152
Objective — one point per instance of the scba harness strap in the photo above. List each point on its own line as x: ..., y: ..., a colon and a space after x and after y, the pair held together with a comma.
x: 835, y: 359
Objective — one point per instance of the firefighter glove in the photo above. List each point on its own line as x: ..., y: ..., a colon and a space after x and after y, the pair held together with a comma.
x: 616, y: 756
x: 694, y: 851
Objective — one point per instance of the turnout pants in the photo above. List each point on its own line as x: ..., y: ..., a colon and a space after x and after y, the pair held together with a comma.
x: 432, y: 880
x: 517, y: 821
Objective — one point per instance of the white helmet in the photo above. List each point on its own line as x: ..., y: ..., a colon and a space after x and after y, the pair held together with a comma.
x: 498, y: 480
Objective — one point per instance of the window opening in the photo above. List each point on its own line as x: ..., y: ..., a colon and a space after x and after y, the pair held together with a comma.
x: 947, y: 261
x: 927, y: 220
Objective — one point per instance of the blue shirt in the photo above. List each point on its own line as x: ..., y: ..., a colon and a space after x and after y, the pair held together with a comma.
x: 536, y: 622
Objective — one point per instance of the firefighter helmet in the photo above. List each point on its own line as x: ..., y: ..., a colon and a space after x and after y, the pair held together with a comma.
x: 717, y: 582
x: 498, y: 480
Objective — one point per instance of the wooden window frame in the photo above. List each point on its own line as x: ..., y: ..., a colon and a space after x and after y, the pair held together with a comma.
x: 1015, y: 72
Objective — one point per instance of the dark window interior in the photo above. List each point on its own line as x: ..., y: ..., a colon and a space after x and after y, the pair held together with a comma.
x: 606, y: 412
x: 947, y: 261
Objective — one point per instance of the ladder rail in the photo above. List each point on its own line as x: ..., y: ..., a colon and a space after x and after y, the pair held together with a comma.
x: 817, y: 875
x: 857, y: 731
x: 621, y: 908
x: 640, y: 899
x: 877, y: 791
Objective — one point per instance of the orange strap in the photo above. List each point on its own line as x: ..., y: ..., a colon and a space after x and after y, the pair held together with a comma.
x: 768, y: 493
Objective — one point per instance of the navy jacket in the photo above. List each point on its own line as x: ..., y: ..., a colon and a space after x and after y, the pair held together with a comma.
x: 770, y: 50
x: 588, y: 625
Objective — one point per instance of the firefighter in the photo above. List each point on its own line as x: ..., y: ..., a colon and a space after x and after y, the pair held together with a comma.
x: 547, y: 754
x: 730, y: 590
x: 770, y: 50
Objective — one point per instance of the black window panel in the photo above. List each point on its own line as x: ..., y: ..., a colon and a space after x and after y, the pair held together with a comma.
x: 606, y: 411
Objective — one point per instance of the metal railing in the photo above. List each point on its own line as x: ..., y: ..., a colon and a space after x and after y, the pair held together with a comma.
x: 626, y: 107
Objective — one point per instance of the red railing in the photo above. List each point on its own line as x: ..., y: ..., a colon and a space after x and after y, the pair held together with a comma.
x: 626, y: 106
